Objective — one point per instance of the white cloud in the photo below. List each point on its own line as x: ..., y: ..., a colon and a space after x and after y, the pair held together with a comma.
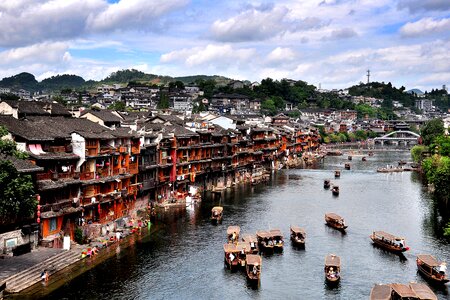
x: 211, y: 54
x: 425, y: 26
x: 340, y: 34
x: 132, y: 14
x: 281, y: 55
x: 42, y: 53
x: 424, y: 5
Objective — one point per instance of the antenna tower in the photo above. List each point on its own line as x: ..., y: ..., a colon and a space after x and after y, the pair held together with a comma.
x: 368, y: 76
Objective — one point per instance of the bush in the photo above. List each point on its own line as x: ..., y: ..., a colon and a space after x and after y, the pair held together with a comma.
x: 417, y: 151
x: 79, y: 238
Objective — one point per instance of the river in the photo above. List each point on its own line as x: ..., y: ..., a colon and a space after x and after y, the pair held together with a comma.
x: 184, y: 260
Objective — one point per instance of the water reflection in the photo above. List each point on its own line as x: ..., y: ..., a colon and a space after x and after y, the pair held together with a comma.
x: 185, y: 259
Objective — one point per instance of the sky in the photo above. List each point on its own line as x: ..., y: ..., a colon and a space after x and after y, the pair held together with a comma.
x: 331, y: 43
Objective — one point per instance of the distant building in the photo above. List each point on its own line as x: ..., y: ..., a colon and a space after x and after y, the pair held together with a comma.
x: 424, y: 104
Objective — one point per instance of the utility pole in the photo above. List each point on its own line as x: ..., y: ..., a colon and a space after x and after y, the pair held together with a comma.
x: 368, y: 77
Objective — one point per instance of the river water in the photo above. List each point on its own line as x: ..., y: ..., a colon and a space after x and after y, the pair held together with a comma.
x: 184, y: 260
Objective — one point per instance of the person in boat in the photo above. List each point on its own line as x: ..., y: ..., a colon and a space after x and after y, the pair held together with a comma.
x: 232, y: 257
x: 270, y: 243
x: 233, y: 237
x: 443, y: 268
x: 331, y: 272
x: 252, y: 245
x: 255, y: 270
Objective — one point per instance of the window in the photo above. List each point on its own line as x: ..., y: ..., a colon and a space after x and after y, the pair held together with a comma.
x: 52, y: 224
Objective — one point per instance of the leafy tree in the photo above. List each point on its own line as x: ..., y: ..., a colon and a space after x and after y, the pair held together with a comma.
x: 417, y: 151
x: 9, y: 96
x: 163, y: 100
x: 17, y: 201
x: 268, y: 106
x: 176, y: 85
x: 441, y: 145
x: 118, y: 105
x: 431, y: 130
x: 60, y: 100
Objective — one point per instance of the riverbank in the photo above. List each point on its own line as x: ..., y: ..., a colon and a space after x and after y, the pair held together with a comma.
x: 62, y: 265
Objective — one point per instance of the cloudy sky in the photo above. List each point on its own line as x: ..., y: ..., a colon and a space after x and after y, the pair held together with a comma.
x: 331, y: 42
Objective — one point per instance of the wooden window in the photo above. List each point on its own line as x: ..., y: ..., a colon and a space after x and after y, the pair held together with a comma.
x: 52, y: 224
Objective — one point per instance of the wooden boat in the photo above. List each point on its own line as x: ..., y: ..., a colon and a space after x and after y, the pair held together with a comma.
x: 429, y: 267
x: 347, y: 166
x: 401, y: 163
x: 337, y: 174
x: 231, y: 256
x: 326, y: 184
x: 402, y: 291
x: 252, y: 241
x: 253, y: 267
x: 216, y: 214
x: 335, y: 221
x: 265, y: 241
x: 278, y: 239
x: 422, y: 291
x: 335, y: 190
x: 364, y: 158
x: 298, y: 236
x: 389, y: 241
x: 370, y: 153
x: 332, y: 268
x: 381, y: 292
x: 233, y: 234
x: 349, y: 157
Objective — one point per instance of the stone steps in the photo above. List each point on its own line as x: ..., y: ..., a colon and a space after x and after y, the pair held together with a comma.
x: 31, y: 276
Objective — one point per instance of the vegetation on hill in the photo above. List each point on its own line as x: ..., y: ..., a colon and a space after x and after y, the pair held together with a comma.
x: 383, y: 91
x: 22, y: 80
x: 60, y: 82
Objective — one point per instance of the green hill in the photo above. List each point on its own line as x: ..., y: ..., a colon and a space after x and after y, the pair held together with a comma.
x: 22, y: 80
x: 60, y: 82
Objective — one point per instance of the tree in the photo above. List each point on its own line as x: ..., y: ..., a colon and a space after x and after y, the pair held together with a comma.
x: 17, y: 201
x: 118, y: 105
x: 431, y: 130
x: 268, y: 106
x: 417, y: 151
x: 163, y: 100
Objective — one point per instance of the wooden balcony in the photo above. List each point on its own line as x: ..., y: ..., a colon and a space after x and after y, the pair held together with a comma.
x: 43, y: 176
x: 92, y: 152
x: 87, y: 175
x: 133, y: 168
x: 163, y: 178
x: 122, y: 171
x: 148, y: 184
x: 135, y: 149
x: 123, y: 149
x: 57, y: 149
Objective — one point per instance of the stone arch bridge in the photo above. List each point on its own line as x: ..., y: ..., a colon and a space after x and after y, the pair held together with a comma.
x: 401, y: 137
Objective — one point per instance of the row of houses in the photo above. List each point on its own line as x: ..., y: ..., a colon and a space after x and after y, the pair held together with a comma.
x: 106, y: 166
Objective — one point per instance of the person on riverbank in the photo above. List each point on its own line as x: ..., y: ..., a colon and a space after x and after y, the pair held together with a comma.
x: 44, y: 275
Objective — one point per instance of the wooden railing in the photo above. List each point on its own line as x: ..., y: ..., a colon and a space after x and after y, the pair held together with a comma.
x: 87, y: 175
x: 133, y: 168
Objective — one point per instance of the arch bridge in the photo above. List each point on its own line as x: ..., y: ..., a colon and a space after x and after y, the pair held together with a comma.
x: 400, y: 137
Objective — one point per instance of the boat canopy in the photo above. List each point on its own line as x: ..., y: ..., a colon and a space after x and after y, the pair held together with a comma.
x: 276, y: 232
x: 428, y: 260
x: 423, y: 291
x: 263, y: 234
x: 232, y: 229
x: 387, y: 236
x: 333, y: 216
x: 381, y: 292
x: 253, y: 259
x: 219, y: 209
x: 298, y: 230
x: 332, y: 261
x: 249, y: 238
x: 403, y: 290
x: 231, y: 248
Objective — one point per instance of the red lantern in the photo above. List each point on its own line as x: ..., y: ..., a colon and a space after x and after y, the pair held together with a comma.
x: 38, y: 197
x: 38, y: 220
x: 107, y: 163
x: 98, y: 208
x: 38, y: 207
x: 38, y: 213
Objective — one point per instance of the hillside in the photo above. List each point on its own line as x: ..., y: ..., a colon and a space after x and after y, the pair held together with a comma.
x: 22, y: 80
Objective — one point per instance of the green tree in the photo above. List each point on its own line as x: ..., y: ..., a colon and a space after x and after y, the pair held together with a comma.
x: 17, y: 201
x: 163, y: 100
x: 268, y: 106
x: 417, y: 151
x: 118, y: 105
x: 431, y: 130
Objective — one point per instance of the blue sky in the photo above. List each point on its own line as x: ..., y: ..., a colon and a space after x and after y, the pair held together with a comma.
x: 331, y: 42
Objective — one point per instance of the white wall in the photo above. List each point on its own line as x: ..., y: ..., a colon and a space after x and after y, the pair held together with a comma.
x: 79, y: 148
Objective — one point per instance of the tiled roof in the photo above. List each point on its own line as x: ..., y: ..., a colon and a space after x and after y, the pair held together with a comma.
x: 22, y: 165
x: 39, y: 108
x: 103, y: 114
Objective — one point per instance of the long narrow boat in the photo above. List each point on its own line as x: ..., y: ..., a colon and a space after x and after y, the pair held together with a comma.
x: 402, y: 291
x: 252, y: 241
x: 253, y: 267
x: 335, y: 221
x: 265, y: 241
x: 432, y: 269
x: 298, y: 236
x: 381, y: 292
x: 231, y: 256
x: 389, y: 242
x: 347, y: 166
x: 233, y: 234
x: 422, y: 291
x: 326, y: 184
x: 337, y: 174
x: 216, y: 214
x: 332, y: 268
x: 278, y: 239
